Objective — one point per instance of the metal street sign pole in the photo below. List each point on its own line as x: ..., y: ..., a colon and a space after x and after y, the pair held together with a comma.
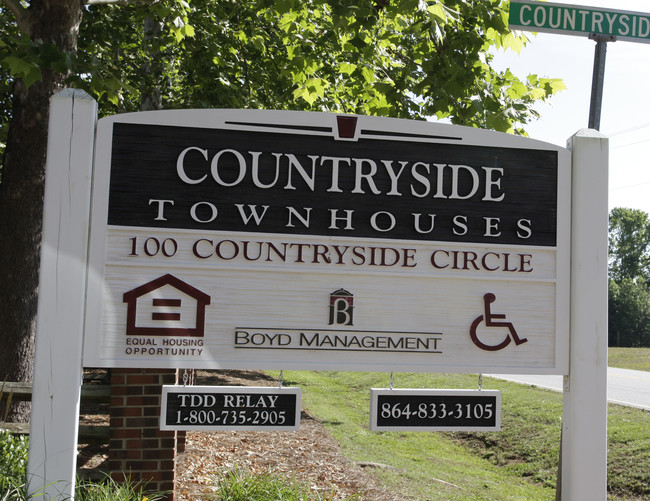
x: 598, y: 79
x: 601, y: 25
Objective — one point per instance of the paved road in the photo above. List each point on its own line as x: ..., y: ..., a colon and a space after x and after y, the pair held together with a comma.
x: 624, y: 387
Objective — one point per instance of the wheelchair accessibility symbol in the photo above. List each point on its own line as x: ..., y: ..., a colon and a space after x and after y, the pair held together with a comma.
x: 492, y: 320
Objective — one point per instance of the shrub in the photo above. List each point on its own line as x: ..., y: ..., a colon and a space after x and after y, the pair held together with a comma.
x: 13, y: 465
x: 13, y: 473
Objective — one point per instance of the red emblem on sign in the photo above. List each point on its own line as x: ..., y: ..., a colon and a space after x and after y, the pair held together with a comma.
x: 174, y: 324
x: 490, y: 321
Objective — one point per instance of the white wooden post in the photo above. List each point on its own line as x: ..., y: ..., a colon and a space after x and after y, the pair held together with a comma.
x: 58, y: 374
x: 584, y: 420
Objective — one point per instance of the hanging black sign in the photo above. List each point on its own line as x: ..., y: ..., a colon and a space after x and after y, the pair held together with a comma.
x: 435, y: 410
x: 230, y: 408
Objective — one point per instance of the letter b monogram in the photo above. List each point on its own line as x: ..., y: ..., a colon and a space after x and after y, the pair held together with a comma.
x: 341, y: 308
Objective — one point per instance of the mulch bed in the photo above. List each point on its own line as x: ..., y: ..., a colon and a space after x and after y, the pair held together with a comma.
x: 309, y: 455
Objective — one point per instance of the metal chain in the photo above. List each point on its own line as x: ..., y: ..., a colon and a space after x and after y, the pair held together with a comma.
x: 392, y: 380
x: 185, y: 377
x: 281, y: 379
x: 480, y: 382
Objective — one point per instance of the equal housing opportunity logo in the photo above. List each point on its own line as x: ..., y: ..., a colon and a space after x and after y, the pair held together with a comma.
x: 165, y: 316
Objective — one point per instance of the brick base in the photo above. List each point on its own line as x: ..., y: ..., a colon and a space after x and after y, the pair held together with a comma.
x: 139, y: 450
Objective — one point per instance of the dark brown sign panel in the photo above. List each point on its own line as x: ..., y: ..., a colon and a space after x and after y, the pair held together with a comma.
x: 234, y: 180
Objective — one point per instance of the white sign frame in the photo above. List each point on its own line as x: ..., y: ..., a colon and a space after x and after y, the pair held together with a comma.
x: 60, y: 329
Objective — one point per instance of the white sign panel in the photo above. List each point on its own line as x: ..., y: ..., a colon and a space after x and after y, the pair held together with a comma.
x: 287, y: 240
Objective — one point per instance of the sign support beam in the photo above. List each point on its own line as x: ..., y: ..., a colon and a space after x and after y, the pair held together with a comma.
x: 584, y: 420
x: 58, y: 371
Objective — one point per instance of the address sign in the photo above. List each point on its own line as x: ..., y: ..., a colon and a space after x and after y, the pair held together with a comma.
x: 289, y: 240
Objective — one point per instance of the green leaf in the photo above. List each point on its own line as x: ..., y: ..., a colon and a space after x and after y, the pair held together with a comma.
x: 112, y: 84
x: 347, y: 68
x: 384, y: 87
x: 367, y: 74
x: 556, y: 84
x: 188, y: 30
x: 537, y: 93
x: 315, y: 86
x: 300, y: 92
x: 258, y: 43
x: 517, y: 89
x: 17, y: 66
x: 283, y: 6
x: 310, y: 66
x: 27, y: 70
x: 438, y: 11
x: 513, y: 42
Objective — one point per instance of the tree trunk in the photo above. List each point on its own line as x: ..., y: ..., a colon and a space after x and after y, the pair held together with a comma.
x: 21, y: 194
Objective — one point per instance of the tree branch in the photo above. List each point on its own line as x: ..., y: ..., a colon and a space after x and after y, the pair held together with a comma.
x: 109, y: 2
x: 20, y: 13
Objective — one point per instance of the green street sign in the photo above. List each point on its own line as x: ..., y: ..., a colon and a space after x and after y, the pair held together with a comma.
x: 529, y: 15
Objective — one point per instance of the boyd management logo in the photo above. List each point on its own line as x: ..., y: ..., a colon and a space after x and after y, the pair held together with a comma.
x: 341, y: 307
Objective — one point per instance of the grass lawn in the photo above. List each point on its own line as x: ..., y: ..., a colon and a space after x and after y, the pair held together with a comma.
x: 630, y: 358
x: 520, y: 462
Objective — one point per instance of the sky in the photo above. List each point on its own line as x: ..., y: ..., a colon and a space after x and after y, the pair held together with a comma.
x: 625, y: 116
